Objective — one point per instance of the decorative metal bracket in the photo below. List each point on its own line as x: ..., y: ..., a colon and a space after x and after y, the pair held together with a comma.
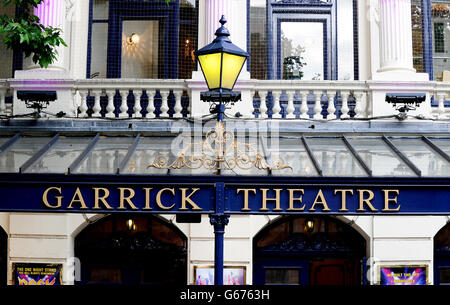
x: 220, y: 150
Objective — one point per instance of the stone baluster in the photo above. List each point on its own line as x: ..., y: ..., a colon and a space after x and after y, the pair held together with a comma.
x: 151, y: 104
x: 304, y: 106
x: 73, y: 104
x: 137, y: 103
x: 83, y: 106
x: 178, y: 108
x: 276, y: 109
x: 263, y: 104
x: 441, y: 107
x: 97, y: 108
x: 359, y: 111
x: 318, y: 106
x: 164, y: 105
x: 344, y: 108
x: 124, y: 106
x: 2, y: 101
x: 110, y: 107
x: 331, y: 108
x: 290, y: 107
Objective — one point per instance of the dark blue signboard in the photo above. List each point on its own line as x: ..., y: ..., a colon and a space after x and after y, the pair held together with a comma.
x: 259, y: 195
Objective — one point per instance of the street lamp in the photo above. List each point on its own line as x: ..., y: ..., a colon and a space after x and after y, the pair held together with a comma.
x: 221, y: 62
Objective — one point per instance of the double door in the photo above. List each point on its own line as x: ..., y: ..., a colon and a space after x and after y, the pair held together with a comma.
x: 326, y: 271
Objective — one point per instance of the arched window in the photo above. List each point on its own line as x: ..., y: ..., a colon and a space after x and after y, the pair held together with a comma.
x: 308, y: 251
x: 128, y: 249
x: 3, y: 257
x: 442, y: 256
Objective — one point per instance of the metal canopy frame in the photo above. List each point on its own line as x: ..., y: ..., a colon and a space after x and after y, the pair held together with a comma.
x: 39, y: 154
x: 76, y: 163
x: 402, y: 156
x: 122, y: 164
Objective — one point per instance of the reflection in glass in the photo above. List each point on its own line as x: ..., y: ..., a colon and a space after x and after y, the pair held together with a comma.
x: 146, y: 152
x: 429, y: 162
x: 294, y: 154
x: 334, y: 157
x: 23, y: 149
x: 442, y: 143
x: 106, y: 155
x: 302, y: 50
x: 379, y: 157
x: 61, y: 155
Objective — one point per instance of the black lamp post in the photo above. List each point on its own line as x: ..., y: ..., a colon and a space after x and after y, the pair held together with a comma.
x: 221, y: 62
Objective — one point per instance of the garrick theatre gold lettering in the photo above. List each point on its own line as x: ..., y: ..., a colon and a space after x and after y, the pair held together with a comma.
x: 270, y: 200
x: 295, y: 203
x: 53, y: 199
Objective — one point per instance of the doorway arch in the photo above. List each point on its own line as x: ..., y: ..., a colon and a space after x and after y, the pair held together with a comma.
x: 442, y: 256
x: 133, y: 250
x: 319, y: 250
x: 3, y: 257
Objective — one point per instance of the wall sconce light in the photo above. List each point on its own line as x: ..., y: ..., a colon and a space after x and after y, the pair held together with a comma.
x: 133, y: 39
x: 309, y: 225
x: 131, y: 225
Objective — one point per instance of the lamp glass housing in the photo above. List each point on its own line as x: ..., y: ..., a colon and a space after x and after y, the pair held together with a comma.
x: 221, y: 69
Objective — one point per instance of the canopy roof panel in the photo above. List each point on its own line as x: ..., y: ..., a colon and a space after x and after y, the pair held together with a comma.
x: 295, y: 155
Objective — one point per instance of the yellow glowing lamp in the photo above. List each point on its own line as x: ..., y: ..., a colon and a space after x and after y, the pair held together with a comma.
x: 221, y: 61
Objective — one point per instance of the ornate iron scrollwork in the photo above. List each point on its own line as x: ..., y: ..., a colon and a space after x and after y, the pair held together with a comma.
x: 220, y: 150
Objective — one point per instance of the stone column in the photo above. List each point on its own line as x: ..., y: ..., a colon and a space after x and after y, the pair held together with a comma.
x: 53, y: 13
x: 214, y: 11
x: 395, y: 36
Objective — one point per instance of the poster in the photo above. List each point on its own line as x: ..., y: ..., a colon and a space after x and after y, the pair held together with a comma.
x: 37, y: 274
x: 232, y: 275
x: 403, y: 275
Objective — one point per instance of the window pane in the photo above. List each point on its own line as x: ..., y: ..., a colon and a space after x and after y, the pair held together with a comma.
x: 345, y: 39
x: 258, y: 39
x: 302, y: 50
x: 16, y: 155
x: 61, y: 155
x: 429, y: 162
x: 417, y: 37
x: 380, y: 158
x: 442, y: 143
x: 100, y: 9
x: 187, y: 38
x: 280, y: 276
x: 140, y: 59
x: 106, y: 156
x: 334, y: 157
x: 99, y: 48
x: 293, y: 153
x: 440, y: 20
x: 146, y: 152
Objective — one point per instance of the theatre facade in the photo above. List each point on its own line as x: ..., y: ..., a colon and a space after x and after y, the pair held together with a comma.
x: 332, y: 168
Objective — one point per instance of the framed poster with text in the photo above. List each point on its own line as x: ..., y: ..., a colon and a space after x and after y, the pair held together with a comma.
x: 232, y: 275
x: 37, y: 274
x: 403, y: 275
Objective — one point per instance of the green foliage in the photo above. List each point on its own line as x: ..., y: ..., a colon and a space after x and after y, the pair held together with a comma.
x: 24, y: 33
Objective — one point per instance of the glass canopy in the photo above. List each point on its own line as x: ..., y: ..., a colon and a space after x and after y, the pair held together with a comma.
x: 295, y: 155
